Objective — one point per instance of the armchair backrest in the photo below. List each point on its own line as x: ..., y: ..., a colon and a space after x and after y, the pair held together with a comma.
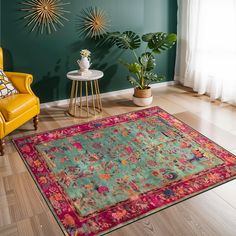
x: 1, y: 58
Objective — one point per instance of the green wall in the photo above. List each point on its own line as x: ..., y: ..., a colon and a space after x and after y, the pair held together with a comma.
x: 49, y: 57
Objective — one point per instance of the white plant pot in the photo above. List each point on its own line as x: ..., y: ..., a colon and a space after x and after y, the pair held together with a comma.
x: 142, y: 102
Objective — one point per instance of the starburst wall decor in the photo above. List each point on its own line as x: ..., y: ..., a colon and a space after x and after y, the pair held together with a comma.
x: 44, y: 16
x: 93, y: 22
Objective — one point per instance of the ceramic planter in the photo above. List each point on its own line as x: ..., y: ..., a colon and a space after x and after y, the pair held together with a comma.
x: 142, y: 97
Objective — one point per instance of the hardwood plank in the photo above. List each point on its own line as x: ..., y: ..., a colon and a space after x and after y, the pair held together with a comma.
x: 169, y: 106
x: 227, y: 192
x: 9, y: 230
x: 27, y: 227
x: 213, y: 132
x: 39, y: 225
x: 26, y: 201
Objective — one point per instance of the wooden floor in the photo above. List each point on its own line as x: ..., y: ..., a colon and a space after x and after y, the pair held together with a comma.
x: 24, y: 212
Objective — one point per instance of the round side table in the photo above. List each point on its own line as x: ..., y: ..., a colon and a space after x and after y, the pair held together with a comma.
x: 91, y: 83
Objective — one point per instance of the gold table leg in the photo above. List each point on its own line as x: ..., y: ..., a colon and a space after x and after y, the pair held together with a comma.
x: 72, y: 96
x: 97, y: 98
x: 81, y: 94
x: 86, y: 84
x: 94, y: 108
x: 99, y: 102
x: 76, y: 93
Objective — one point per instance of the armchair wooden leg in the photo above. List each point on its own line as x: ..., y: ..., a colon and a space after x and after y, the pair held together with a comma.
x: 2, y: 145
x: 36, y: 122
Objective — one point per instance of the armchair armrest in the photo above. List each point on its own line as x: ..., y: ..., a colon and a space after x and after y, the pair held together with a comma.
x: 21, y: 81
x: 2, y: 121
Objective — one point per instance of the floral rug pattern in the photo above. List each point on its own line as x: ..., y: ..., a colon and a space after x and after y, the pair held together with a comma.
x: 106, y: 173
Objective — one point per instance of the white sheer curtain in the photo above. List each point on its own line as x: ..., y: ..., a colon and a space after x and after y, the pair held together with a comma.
x: 206, y: 47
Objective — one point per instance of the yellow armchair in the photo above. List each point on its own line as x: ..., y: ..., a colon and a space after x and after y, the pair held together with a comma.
x: 19, y: 108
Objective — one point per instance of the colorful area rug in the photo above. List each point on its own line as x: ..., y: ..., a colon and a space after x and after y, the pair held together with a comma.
x: 101, y: 175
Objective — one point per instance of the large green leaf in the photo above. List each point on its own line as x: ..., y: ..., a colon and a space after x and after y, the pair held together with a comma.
x: 148, y: 61
x: 125, y: 40
x: 153, y: 76
x: 128, y: 40
x: 161, y: 41
x: 133, y: 81
x: 147, y: 37
x: 135, y: 68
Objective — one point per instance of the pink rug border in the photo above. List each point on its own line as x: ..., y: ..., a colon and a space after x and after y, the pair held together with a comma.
x: 99, y: 223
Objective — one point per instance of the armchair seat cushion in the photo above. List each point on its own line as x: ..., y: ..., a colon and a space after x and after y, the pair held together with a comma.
x: 14, y: 105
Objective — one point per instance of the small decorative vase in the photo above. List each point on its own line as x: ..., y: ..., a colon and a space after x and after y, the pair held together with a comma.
x: 84, y: 64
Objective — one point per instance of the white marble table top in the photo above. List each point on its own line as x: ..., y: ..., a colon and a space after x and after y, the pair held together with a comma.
x: 95, y: 75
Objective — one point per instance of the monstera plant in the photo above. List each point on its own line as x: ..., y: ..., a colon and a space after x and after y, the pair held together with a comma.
x: 143, y: 65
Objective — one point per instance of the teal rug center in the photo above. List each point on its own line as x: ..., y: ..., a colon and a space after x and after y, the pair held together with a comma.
x: 103, y: 167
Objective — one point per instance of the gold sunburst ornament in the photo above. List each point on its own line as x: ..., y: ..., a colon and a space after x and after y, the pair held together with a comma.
x: 93, y: 22
x: 44, y: 15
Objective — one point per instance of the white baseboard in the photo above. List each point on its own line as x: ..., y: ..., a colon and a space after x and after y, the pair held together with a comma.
x: 105, y: 95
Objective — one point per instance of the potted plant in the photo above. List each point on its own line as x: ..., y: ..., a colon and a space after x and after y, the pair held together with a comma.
x: 144, y: 65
